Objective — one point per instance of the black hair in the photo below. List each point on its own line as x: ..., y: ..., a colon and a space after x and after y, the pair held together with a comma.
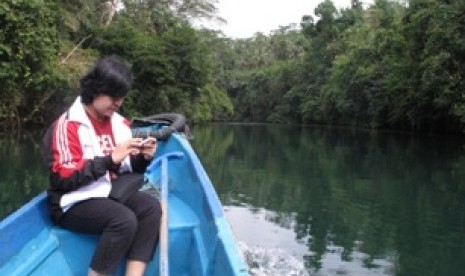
x: 109, y: 76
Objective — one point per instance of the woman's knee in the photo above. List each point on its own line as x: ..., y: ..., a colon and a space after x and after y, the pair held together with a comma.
x: 145, y: 205
x: 124, y: 223
x: 156, y: 208
x: 155, y: 211
x: 152, y: 213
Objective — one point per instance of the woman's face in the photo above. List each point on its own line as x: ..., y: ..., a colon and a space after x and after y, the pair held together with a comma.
x: 104, y: 106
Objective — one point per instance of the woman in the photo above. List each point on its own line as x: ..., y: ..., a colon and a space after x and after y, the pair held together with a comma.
x: 86, y: 149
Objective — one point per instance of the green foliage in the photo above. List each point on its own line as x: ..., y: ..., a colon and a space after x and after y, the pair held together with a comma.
x: 29, y: 73
x: 389, y: 65
x: 173, y: 71
x: 161, y: 16
x: 213, y: 104
x: 436, y: 31
x: 258, y: 72
x: 78, y: 18
x: 266, y: 95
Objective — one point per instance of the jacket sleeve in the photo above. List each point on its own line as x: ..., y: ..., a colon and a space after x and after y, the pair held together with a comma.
x: 139, y: 163
x: 68, y: 169
x: 90, y: 171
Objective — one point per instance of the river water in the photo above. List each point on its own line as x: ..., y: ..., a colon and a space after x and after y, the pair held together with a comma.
x: 315, y: 201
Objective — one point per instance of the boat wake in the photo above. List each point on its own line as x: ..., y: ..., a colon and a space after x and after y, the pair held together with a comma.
x: 270, y: 262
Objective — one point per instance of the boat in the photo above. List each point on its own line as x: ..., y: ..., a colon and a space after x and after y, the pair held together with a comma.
x: 195, y: 238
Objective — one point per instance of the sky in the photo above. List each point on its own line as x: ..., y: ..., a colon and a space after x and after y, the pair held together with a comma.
x: 246, y: 17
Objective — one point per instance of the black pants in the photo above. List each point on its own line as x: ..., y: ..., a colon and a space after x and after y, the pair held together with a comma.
x: 130, y: 230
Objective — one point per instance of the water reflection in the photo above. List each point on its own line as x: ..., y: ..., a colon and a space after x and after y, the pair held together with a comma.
x: 362, y: 203
x: 326, y: 201
x: 281, y: 256
x: 22, y: 170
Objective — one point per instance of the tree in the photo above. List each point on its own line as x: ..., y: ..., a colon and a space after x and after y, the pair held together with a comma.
x: 29, y: 73
x: 323, y: 45
x: 165, y: 14
x: 435, y: 29
x: 173, y: 71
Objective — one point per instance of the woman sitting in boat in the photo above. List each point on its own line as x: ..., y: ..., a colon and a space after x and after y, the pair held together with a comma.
x: 87, y: 148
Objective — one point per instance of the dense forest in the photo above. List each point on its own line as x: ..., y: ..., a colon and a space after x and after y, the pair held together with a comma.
x: 392, y: 64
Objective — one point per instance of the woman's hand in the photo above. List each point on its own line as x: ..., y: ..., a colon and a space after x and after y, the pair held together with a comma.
x: 148, y: 147
x: 131, y: 146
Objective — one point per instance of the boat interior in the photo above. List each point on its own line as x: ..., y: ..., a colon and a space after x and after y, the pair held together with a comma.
x: 200, y: 240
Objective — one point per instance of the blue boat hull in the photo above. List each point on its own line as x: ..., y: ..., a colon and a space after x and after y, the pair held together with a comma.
x: 200, y: 239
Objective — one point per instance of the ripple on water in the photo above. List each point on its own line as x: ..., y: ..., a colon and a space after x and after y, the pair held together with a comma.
x: 262, y: 261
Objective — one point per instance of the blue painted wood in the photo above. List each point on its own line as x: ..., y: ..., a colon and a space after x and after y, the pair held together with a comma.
x: 200, y: 239
x: 162, y: 161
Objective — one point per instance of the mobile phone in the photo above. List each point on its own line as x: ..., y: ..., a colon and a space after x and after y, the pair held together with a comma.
x: 145, y: 141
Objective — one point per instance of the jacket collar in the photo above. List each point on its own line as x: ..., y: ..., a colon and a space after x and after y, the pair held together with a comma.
x: 78, y: 113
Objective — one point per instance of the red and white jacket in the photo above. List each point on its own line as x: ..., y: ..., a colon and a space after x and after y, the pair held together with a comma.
x: 79, y: 170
